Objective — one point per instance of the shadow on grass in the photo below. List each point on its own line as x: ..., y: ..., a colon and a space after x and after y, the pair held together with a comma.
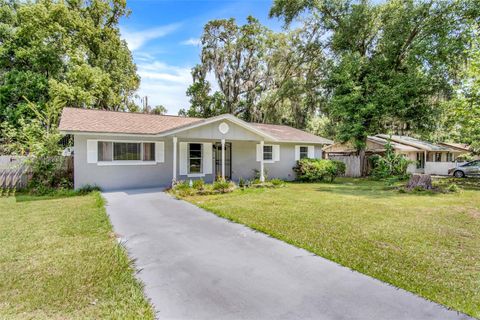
x: 370, y: 189
x: 24, y: 197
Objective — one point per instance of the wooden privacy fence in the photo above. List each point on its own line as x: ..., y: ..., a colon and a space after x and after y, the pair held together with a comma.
x: 14, y: 174
x: 352, y: 163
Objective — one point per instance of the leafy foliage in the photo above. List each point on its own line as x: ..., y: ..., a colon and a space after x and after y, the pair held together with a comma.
x: 390, y: 165
x: 62, y: 53
x: 314, y: 170
x: 389, y: 65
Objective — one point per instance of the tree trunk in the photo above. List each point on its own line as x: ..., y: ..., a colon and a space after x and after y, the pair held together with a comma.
x: 423, y: 181
x: 363, y: 163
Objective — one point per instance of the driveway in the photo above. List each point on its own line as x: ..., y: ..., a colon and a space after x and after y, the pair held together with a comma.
x: 196, y: 265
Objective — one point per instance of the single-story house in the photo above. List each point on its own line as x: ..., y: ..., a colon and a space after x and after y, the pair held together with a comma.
x: 116, y: 150
x: 426, y: 157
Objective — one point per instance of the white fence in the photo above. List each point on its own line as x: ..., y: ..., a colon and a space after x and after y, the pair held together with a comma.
x: 440, y: 168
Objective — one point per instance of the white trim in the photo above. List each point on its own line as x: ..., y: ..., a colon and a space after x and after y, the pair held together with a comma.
x: 108, y: 134
x: 166, y: 133
x: 92, y: 151
x: 207, y: 158
x: 262, y: 176
x: 174, y: 164
x: 195, y: 175
x: 130, y: 162
x: 229, y: 117
x: 223, y: 159
x: 125, y: 163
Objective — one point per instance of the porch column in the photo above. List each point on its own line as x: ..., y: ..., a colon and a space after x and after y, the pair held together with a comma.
x: 262, y: 177
x: 223, y: 159
x: 174, y: 179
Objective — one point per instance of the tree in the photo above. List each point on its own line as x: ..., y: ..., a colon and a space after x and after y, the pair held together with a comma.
x: 464, y: 110
x: 234, y: 54
x: 202, y: 103
x: 63, y: 53
x: 390, y: 65
x: 160, y: 109
x: 263, y: 76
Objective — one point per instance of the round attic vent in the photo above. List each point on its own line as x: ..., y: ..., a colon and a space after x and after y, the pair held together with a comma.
x: 223, y: 128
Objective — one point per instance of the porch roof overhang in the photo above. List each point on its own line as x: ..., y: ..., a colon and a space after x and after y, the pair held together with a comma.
x: 211, y: 120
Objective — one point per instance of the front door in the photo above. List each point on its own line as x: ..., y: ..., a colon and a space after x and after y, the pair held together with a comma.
x: 217, y: 148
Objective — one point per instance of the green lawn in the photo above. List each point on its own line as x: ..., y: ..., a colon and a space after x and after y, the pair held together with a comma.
x: 59, y: 259
x: 425, y: 243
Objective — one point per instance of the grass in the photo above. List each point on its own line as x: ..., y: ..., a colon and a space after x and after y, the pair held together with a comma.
x: 428, y: 244
x: 59, y: 259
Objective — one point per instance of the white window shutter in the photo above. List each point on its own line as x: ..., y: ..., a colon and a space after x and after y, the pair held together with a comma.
x: 276, y: 152
x: 259, y: 152
x: 297, y: 153
x: 183, y: 158
x: 207, y: 158
x: 160, y: 152
x: 311, y: 152
x: 92, y: 151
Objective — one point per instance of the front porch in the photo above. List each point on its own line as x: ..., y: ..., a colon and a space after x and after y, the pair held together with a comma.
x: 211, y: 159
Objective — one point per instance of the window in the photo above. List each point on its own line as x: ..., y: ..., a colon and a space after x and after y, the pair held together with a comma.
x: 438, y: 157
x: 195, y: 151
x: 472, y: 164
x: 267, y: 152
x: 449, y: 157
x: 420, y: 160
x: 105, y: 151
x: 126, y: 151
x: 303, y: 152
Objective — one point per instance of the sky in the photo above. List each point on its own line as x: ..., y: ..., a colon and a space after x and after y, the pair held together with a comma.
x: 163, y: 36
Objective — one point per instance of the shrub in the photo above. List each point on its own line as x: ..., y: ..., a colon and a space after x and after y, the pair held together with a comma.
x: 198, y: 184
x: 223, y: 186
x: 391, y: 165
x: 182, y: 188
x: 453, y: 188
x: 277, y: 183
x: 312, y: 170
x: 48, y: 174
x: 88, y: 189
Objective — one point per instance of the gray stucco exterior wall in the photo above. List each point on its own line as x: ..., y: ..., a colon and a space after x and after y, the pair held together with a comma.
x: 113, y: 177
x: 244, y: 161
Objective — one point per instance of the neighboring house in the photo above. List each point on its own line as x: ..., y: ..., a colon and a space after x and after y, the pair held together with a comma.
x: 426, y: 157
x: 131, y: 150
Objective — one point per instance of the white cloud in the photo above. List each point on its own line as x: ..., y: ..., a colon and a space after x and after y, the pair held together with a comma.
x: 136, y: 39
x: 164, y: 84
x: 192, y: 42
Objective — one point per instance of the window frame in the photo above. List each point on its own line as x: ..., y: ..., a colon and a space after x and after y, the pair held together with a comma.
x: 127, y: 162
x: 300, y: 152
x: 189, y: 172
x: 270, y: 152
x: 437, y: 155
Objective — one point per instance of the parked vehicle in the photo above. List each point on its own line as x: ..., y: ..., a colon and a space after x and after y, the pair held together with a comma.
x: 471, y: 168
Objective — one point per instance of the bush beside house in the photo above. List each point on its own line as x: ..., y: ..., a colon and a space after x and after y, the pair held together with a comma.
x: 315, y: 170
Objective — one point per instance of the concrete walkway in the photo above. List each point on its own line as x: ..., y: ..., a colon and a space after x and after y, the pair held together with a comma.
x: 196, y: 265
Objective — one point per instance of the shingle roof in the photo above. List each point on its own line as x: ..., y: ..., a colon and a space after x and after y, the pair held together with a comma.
x: 395, y: 145
x: 100, y: 121
x: 287, y: 133
x: 424, y: 145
